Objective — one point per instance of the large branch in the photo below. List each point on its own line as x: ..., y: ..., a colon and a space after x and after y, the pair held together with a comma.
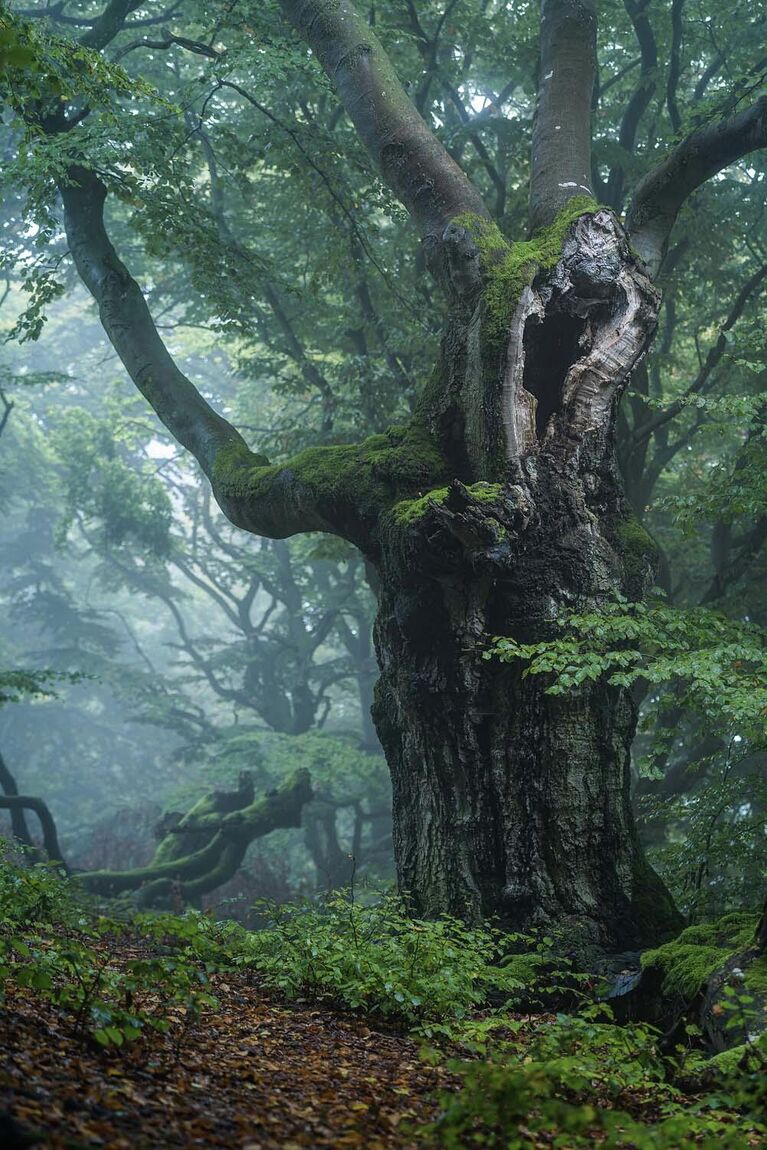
x: 272, y: 501
x: 659, y: 197
x: 128, y: 323
x: 561, y: 162
x: 411, y: 159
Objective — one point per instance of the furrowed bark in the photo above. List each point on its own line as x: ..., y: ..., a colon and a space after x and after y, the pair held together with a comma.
x: 561, y: 160
x: 658, y: 198
x: 509, y: 801
x: 411, y: 159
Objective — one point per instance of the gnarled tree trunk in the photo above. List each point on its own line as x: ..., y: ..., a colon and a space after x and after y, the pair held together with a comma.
x: 498, y: 505
x: 509, y: 801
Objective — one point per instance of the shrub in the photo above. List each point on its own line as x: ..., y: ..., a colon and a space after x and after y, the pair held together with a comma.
x: 376, y: 958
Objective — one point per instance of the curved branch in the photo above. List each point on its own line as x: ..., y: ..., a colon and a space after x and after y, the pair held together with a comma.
x: 561, y: 161
x: 19, y: 826
x: 411, y: 159
x: 129, y: 325
x: 272, y: 501
x: 659, y: 197
x: 18, y: 803
x: 641, y: 96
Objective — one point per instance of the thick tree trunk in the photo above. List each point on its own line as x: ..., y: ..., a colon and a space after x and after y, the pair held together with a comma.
x: 509, y: 801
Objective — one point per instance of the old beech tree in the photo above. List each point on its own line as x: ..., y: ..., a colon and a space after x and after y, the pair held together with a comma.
x: 498, y: 505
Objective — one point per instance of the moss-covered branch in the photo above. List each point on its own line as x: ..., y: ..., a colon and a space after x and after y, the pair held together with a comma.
x: 342, y: 490
x: 227, y: 836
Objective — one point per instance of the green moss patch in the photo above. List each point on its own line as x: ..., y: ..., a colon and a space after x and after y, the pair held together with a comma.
x: 637, y: 548
x: 689, y: 960
x: 510, y: 268
x: 410, y: 510
x: 364, y: 477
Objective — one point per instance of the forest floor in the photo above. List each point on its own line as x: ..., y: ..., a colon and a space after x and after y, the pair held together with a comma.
x: 256, y: 1074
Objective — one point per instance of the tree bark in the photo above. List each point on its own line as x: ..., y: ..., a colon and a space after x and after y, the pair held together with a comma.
x: 561, y: 159
x: 509, y: 801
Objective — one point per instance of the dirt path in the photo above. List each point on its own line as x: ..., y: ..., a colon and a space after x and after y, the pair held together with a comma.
x: 255, y: 1075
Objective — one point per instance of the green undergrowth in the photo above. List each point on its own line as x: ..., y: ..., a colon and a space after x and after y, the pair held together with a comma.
x: 415, y: 973
x: 525, y: 1077
x: 690, y: 959
x: 510, y: 268
x: 118, y: 979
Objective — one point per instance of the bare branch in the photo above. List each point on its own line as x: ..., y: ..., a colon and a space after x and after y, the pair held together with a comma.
x: 641, y: 96
x: 561, y: 163
x: 411, y: 159
x: 7, y: 409
x: 700, y: 384
x: 169, y: 41
x: 659, y: 197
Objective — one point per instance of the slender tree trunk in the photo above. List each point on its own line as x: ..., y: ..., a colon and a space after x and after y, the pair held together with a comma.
x: 509, y: 801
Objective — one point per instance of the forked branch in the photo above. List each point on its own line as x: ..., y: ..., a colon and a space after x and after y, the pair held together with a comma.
x: 411, y: 159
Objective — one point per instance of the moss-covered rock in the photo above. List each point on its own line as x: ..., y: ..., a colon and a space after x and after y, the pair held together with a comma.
x: 687, y: 962
x: 744, y: 1057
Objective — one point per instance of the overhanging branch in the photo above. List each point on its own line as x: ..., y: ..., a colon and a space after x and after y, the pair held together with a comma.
x: 271, y: 501
x: 659, y: 197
